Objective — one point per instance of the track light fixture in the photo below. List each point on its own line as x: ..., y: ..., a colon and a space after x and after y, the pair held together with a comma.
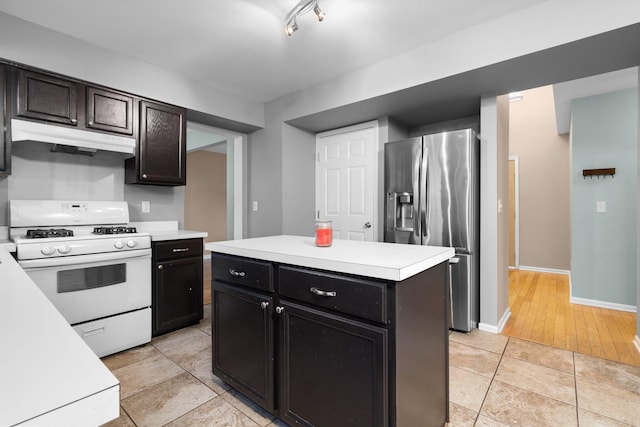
x: 303, y: 6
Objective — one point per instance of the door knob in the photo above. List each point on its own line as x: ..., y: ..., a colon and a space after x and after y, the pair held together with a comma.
x: 367, y: 225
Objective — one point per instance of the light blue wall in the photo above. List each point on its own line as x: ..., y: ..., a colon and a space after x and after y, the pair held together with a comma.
x: 604, y: 135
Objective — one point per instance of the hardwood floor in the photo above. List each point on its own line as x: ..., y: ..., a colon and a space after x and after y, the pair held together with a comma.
x: 541, y: 312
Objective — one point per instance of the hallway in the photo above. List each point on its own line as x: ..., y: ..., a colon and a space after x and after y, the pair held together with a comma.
x: 541, y: 312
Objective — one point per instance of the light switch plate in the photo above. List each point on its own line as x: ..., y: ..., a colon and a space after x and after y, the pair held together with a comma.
x: 601, y: 206
x: 146, y: 206
x: 255, y: 206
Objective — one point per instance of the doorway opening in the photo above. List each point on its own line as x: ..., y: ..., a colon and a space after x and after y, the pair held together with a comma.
x: 214, y: 190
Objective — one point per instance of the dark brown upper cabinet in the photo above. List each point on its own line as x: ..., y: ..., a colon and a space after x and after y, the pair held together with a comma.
x: 47, y: 97
x: 109, y: 111
x: 161, y: 153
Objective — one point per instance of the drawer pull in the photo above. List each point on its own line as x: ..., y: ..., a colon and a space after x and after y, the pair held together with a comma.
x: 180, y: 250
x: 264, y: 305
x: 279, y: 309
x: 323, y: 293
x: 236, y: 273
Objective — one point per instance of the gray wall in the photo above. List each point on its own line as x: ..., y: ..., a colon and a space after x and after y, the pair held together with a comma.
x: 38, y: 173
x: 603, y: 135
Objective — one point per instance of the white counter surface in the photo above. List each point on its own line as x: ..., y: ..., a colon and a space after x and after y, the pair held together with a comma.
x: 167, y: 230
x: 48, y: 375
x: 389, y: 261
x: 7, y: 245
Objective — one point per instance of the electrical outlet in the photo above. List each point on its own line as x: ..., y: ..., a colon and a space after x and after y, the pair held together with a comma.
x: 601, y: 206
x: 146, y: 206
x: 255, y: 206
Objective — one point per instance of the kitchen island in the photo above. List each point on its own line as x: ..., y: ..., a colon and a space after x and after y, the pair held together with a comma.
x: 351, y: 334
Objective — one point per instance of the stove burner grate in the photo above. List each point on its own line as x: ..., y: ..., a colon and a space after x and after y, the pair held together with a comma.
x: 114, y: 230
x: 51, y: 232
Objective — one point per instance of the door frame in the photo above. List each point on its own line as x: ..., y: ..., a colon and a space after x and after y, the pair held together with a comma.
x: 376, y: 149
x: 516, y: 195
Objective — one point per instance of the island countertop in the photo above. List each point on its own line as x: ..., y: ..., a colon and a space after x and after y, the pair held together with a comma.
x: 389, y: 261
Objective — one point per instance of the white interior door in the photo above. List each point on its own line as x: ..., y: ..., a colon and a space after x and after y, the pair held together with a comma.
x: 346, y: 181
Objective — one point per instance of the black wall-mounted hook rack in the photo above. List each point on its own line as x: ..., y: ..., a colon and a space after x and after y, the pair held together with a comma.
x: 598, y: 172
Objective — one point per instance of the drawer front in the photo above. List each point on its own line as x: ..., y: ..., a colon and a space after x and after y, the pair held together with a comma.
x: 175, y: 249
x: 242, y: 271
x: 357, y: 297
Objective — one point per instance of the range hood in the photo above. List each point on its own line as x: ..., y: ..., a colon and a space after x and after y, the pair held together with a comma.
x: 70, y: 140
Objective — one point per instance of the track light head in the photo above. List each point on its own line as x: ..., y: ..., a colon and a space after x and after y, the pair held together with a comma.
x: 291, y: 27
x: 319, y: 13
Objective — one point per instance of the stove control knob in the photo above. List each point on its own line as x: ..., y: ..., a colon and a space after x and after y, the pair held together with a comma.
x: 64, y: 249
x: 131, y: 243
x: 47, y: 250
x: 118, y: 244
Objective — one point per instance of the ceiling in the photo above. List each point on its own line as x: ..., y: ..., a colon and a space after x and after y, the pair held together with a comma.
x: 240, y: 46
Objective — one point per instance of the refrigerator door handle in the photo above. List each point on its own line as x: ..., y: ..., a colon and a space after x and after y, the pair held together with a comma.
x: 424, y: 195
x: 417, y: 197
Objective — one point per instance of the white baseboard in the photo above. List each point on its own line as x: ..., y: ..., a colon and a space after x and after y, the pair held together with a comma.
x: 636, y: 342
x: 603, y: 304
x: 544, y: 270
x: 496, y: 329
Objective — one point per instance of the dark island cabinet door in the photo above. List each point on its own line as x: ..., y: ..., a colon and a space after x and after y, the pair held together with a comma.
x: 162, y: 144
x: 46, y: 97
x: 177, y: 294
x: 109, y: 111
x: 333, y: 370
x: 243, y: 349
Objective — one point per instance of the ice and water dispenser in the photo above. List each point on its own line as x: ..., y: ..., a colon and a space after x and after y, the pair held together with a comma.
x: 400, y: 215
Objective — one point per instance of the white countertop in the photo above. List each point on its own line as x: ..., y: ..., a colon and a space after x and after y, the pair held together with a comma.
x: 389, y: 261
x: 48, y: 375
x: 7, y: 245
x: 167, y: 230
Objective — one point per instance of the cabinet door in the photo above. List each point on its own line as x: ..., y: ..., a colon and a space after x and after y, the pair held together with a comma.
x: 47, y: 97
x: 333, y: 370
x: 110, y: 111
x: 242, y: 326
x: 177, y: 294
x: 162, y: 144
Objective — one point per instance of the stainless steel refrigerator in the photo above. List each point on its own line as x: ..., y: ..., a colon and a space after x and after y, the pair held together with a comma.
x: 432, y: 198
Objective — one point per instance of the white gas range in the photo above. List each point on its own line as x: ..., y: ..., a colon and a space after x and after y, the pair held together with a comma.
x: 93, y: 267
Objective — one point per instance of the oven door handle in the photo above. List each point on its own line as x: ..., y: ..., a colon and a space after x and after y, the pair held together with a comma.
x: 84, y: 259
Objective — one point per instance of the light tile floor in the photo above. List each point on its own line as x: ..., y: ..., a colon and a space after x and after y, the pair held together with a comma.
x: 495, y: 380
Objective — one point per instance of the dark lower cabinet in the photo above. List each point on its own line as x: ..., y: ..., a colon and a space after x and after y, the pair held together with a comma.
x: 333, y: 370
x: 177, y: 285
x: 242, y: 327
x: 380, y: 363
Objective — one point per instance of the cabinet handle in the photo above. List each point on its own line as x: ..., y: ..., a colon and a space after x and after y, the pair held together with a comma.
x: 144, y: 176
x: 180, y: 250
x: 236, y: 273
x: 90, y: 123
x: 74, y: 121
x: 279, y: 309
x: 323, y: 293
x: 264, y: 305
x: 160, y: 267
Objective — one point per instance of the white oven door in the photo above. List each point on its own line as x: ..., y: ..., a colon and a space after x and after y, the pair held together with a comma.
x: 88, y: 287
